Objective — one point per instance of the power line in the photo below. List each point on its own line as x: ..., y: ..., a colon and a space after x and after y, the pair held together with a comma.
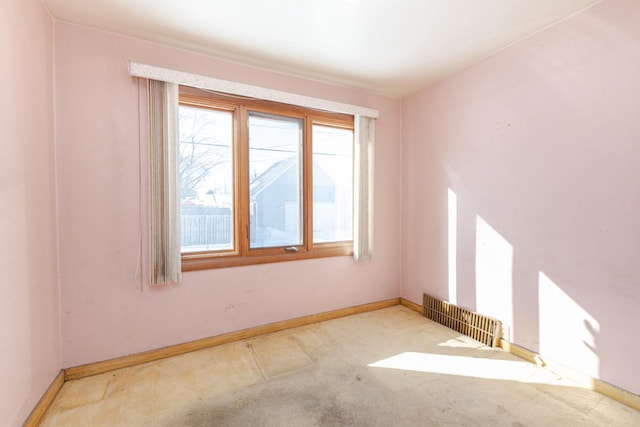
x: 274, y: 150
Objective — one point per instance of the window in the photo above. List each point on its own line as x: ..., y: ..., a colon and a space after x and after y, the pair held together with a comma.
x: 205, y: 168
x: 332, y: 183
x: 262, y: 181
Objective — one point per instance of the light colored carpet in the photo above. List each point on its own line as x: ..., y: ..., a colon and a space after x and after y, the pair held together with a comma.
x: 383, y: 368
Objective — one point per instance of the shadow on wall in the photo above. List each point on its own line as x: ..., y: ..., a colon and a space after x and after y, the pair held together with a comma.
x: 565, y: 331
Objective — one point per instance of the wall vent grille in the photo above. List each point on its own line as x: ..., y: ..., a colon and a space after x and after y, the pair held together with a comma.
x: 477, y: 326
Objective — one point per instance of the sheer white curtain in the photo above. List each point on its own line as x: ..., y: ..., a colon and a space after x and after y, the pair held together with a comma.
x: 363, y: 174
x: 164, y: 198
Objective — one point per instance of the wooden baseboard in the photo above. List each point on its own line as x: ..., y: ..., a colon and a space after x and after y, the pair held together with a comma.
x: 583, y: 380
x: 613, y: 392
x: 45, y: 401
x: 521, y: 352
x: 89, y: 369
x: 412, y: 305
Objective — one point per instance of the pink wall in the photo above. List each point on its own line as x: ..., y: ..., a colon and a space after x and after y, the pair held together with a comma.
x: 541, y: 145
x: 29, y: 317
x: 537, y: 144
x: 105, y: 312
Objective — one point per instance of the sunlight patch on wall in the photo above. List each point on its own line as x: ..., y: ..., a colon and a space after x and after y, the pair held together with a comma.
x: 453, y: 245
x: 568, y: 333
x: 494, y: 276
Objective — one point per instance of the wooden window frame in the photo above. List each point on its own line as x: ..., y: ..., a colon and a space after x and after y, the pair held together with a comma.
x: 241, y: 254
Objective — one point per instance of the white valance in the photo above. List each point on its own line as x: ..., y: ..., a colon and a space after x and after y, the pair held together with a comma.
x: 235, y: 88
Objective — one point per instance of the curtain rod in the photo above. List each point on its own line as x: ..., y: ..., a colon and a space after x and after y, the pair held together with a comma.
x: 235, y: 88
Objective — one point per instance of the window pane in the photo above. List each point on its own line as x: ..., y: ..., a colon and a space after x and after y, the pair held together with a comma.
x: 206, y: 179
x: 275, y: 183
x: 332, y: 184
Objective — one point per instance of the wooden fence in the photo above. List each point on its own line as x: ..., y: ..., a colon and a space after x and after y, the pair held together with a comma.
x: 205, y: 229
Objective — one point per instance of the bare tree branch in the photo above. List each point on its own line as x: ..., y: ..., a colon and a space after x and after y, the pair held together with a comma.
x: 199, y: 151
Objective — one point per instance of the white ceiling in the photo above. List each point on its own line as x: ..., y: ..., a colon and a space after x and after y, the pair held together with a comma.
x: 389, y: 47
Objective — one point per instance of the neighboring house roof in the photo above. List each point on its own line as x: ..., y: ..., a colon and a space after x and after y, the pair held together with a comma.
x: 268, y: 177
x: 271, y: 175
